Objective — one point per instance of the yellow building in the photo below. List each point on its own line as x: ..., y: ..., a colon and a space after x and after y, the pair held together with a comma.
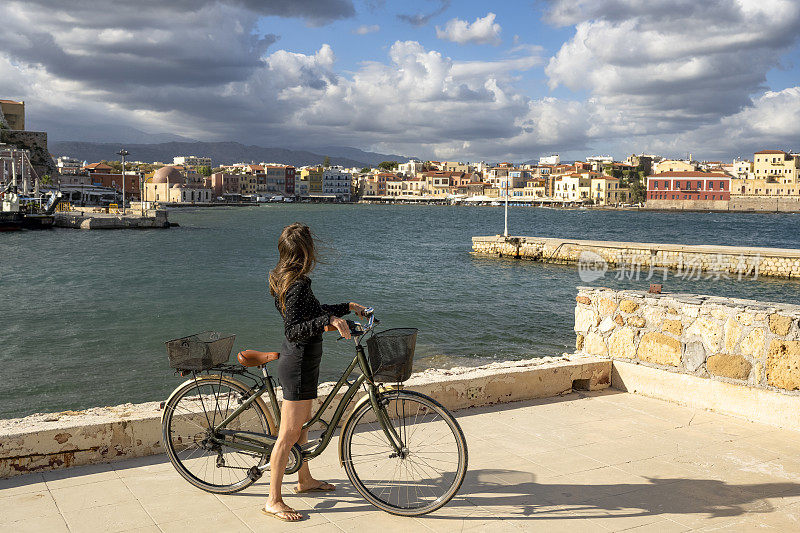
x: 573, y: 188
x: 777, y: 165
x: 14, y: 113
x: 763, y: 187
x: 673, y: 165
x: 455, y: 166
x: 607, y: 191
x: 312, y: 175
x: 536, y: 188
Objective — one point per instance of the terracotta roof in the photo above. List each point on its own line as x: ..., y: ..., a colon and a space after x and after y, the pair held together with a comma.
x: 11, y: 102
x: 772, y: 152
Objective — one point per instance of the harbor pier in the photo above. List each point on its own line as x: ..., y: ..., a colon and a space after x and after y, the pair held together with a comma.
x: 131, y: 220
x: 743, y: 261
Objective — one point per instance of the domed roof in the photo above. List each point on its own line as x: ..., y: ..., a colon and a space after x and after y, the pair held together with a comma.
x: 177, y: 186
x: 167, y: 174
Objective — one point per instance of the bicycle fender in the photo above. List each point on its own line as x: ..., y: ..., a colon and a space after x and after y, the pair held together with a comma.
x: 364, y: 399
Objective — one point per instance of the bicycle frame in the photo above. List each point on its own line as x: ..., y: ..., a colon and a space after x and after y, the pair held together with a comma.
x: 263, y: 443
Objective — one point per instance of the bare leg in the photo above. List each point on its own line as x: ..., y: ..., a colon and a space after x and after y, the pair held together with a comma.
x: 293, y: 415
x: 305, y: 480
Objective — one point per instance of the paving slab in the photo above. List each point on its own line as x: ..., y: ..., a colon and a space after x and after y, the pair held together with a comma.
x: 588, y: 461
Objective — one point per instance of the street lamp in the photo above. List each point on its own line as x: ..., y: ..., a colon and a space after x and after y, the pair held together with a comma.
x: 123, y: 153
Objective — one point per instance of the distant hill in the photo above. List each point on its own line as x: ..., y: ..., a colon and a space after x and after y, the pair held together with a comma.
x: 219, y: 152
x: 371, y: 158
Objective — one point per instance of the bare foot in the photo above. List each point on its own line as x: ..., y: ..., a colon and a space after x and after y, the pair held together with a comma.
x: 314, y: 485
x: 283, y: 512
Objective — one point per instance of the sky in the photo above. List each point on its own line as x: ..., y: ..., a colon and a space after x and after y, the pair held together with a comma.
x: 436, y: 79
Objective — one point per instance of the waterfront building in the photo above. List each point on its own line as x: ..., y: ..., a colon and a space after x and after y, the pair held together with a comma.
x: 114, y: 180
x: 12, y: 114
x: 191, y: 161
x: 776, y: 164
x: 606, y: 190
x: 674, y: 165
x: 168, y: 184
x: 535, y: 188
x: 336, y: 181
x: 575, y: 187
x: 688, y: 190
x: 313, y: 177
x: 643, y: 161
x: 280, y: 179
x: 225, y: 183
x: 763, y: 187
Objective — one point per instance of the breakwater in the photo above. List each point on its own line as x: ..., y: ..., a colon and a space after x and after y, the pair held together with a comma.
x: 131, y: 220
x: 738, y: 261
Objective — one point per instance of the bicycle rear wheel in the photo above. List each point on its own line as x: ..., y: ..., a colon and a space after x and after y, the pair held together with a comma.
x: 429, y: 470
x: 190, y: 413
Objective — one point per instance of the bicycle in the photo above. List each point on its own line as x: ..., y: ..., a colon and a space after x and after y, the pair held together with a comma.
x: 402, y: 450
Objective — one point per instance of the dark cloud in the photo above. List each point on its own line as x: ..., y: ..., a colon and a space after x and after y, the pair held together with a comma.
x: 422, y: 19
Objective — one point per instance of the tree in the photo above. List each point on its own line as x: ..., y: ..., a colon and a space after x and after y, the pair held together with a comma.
x: 638, y: 192
x: 387, y: 165
x: 366, y: 170
x: 46, y: 180
x: 204, y: 170
x: 326, y: 163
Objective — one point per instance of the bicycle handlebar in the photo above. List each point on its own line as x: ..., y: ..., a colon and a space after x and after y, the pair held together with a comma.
x: 357, y: 328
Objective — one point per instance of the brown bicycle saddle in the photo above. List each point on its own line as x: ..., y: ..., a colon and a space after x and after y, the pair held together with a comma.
x: 250, y: 358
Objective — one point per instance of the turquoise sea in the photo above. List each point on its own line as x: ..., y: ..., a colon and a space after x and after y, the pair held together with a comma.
x: 85, y: 313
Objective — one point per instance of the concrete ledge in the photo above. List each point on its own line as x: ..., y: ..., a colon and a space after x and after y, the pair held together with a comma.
x: 755, y: 405
x: 59, y: 440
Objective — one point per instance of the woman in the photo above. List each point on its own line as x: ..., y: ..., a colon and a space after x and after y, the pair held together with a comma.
x: 304, y: 321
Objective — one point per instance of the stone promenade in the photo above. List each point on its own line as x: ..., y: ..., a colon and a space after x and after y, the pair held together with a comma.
x: 593, y: 461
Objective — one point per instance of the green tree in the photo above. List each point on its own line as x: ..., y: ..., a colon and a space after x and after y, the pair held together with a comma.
x: 387, y: 165
x: 638, y: 192
x: 204, y: 170
x: 326, y: 163
x: 46, y: 180
x: 365, y: 170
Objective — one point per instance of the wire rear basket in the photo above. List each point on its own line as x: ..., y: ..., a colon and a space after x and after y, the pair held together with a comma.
x: 391, y: 354
x: 199, y: 352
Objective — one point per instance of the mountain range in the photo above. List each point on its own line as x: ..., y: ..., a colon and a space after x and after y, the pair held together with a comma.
x: 220, y: 153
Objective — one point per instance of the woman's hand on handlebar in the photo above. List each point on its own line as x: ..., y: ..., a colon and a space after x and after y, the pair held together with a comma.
x: 358, y: 309
x: 341, y: 325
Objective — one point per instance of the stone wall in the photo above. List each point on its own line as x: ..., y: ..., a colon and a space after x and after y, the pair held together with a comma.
x: 36, y: 143
x: 772, y: 204
x: 729, y: 260
x: 744, y: 342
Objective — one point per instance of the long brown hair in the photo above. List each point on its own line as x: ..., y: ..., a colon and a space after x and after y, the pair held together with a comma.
x: 297, y: 257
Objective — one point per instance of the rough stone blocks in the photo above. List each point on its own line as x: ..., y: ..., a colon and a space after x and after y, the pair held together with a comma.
x: 659, y: 349
x: 783, y: 364
x: 729, y: 366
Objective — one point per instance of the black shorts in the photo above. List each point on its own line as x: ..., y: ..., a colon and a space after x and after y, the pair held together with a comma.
x: 298, y: 370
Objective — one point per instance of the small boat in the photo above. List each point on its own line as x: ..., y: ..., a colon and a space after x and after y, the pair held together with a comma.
x: 11, y: 217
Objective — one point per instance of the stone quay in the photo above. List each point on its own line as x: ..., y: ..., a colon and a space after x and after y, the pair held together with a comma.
x: 743, y: 261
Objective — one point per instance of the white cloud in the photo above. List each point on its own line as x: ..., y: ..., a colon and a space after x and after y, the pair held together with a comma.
x: 649, y: 73
x: 364, y: 29
x: 483, y: 31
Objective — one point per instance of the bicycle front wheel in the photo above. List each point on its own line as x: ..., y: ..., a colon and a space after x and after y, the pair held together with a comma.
x: 187, y: 425
x: 431, y: 466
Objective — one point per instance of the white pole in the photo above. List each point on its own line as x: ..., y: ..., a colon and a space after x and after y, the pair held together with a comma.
x: 123, y: 182
x: 505, y: 230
